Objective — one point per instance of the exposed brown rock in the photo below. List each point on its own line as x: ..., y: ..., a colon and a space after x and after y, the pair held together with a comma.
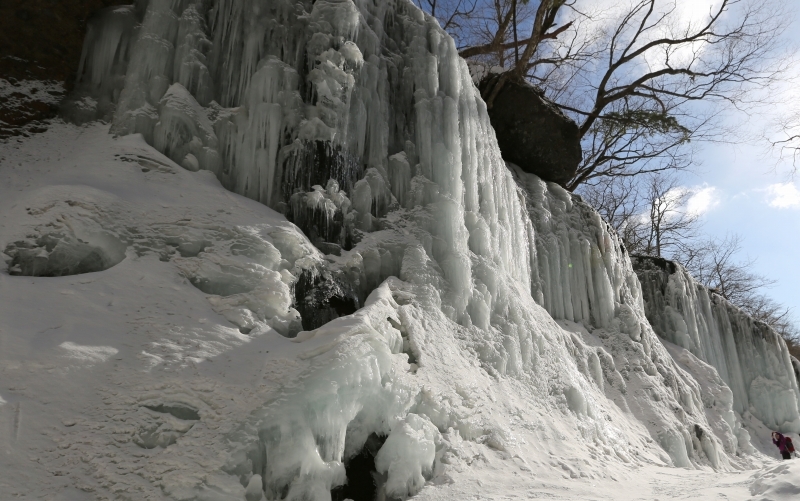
x: 532, y: 132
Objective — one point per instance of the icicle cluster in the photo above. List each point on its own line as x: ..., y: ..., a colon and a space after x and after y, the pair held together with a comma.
x: 265, y: 93
x: 750, y: 357
x: 582, y: 273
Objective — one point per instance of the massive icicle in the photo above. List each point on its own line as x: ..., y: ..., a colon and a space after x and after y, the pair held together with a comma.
x: 751, y: 357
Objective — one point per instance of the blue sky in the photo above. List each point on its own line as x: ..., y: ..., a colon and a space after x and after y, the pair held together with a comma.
x: 748, y: 193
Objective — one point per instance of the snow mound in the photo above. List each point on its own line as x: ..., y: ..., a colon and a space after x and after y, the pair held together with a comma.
x: 74, y: 241
x: 777, y: 483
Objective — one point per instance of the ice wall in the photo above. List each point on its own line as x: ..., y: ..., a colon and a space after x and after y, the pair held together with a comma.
x: 110, y: 34
x: 267, y: 94
x: 581, y: 272
x: 796, y: 366
x: 750, y: 356
x: 359, y: 121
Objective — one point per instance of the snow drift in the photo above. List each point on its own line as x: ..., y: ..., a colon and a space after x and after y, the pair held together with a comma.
x: 496, y: 316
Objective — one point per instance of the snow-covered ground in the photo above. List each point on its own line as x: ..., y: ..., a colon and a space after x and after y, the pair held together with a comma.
x: 150, y: 373
x: 470, y: 330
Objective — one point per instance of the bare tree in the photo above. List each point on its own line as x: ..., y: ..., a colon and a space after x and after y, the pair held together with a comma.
x: 793, y: 344
x: 499, y: 35
x: 651, y: 217
x: 786, y: 140
x: 715, y: 264
x: 765, y: 309
x: 621, y: 203
x: 644, y: 83
x: 452, y: 14
x: 512, y: 34
x: 664, y: 81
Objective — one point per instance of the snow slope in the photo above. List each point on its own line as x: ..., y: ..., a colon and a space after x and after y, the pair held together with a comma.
x: 71, y: 343
x: 499, y: 341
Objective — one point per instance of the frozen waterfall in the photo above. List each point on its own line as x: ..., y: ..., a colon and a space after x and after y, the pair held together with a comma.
x: 360, y: 123
x: 374, y: 92
x: 749, y: 355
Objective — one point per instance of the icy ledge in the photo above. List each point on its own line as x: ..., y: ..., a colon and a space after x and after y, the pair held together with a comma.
x: 750, y: 356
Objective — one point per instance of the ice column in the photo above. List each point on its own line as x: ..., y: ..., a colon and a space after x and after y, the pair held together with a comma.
x: 581, y: 269
x: 751, y: 357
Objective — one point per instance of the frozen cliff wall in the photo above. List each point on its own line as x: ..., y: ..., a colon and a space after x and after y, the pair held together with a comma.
x: 750, y: 356
x: 361, y: 124
x: 582, y: 273
x: 351, y: 118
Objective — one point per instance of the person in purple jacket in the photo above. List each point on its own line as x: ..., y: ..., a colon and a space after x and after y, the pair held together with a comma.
x: 780, y: 441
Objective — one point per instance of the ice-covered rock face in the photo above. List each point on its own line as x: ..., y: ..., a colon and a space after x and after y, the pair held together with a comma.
x: 349, y: 117
x: 750, y: 357
x: 583, y: 274
x: 360, y: 122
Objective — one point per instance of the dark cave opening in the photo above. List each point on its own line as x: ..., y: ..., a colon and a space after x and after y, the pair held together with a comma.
x: 362, y: 479
x: 321, y: 296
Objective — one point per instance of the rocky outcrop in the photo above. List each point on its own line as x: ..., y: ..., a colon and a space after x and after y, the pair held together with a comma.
x: 531, y: 131
x: 40, y: 48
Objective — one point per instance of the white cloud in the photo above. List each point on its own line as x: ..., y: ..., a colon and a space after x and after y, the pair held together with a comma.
x: 702, y: 200
x: 783, y: 196
x: 698, y: 11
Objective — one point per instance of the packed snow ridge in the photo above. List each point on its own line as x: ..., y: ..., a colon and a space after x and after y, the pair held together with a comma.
x: 433, y: 316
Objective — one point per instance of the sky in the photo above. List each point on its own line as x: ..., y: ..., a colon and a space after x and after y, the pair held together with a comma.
x: 743, y: 190
x: 746, y: 189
